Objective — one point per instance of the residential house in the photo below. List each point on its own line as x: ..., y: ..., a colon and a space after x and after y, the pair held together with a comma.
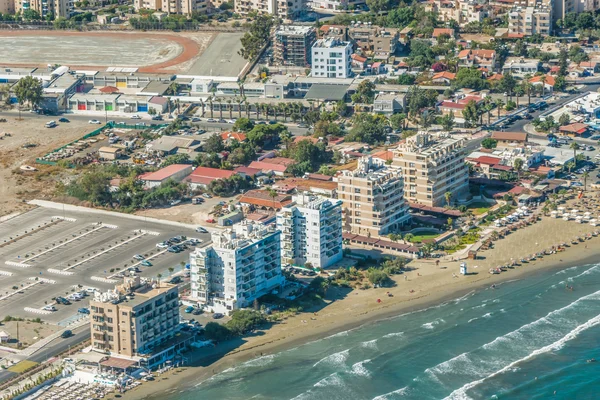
x: 519, y: 66
x: 547, y: 81
x: 175, y: 172
x: 201, y: 177
x: 575, y: 130
x: 477, y: 58
x: 438, y: 32
x: 262, y: 199
x: 444, y: 77
x: 389, y: 104
x: 510, y: 139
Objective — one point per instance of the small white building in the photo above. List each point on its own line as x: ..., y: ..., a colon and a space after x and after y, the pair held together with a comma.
x: 311, y: 229
x: 242, y: 264
x: 331, y: 58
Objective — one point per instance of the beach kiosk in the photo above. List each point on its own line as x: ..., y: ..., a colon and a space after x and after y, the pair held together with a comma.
x: 463, y: 268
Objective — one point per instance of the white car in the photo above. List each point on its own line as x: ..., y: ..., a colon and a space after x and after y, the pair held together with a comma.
x: 201, y: 230
x: 231, y: 121
x: 49, y: 308
x: 139, y: 257
x: 135, y: 116
x: 94, y: 121
x: 211, y: 120
x: 162, y: 245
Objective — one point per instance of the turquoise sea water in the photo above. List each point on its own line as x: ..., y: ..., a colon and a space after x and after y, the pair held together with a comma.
x: 524, y: 339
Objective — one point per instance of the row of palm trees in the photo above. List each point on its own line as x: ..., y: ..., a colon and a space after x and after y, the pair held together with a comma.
x: 294, y: 110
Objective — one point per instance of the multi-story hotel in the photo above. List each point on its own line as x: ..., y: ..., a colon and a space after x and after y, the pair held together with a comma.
x: 242, y: 264
x: 311, y: 231
x: 432, y: 166
x: 373, y: 198
x: 135, y: 318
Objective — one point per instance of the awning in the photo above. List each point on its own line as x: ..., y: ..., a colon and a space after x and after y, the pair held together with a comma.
x: 119, y: 363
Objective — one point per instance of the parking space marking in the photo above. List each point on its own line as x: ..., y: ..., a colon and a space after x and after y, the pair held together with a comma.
x: 153, y: 233
x: 65, y: 218
x: 37, y: 310
x: 38, y: 279
x: 65, y: 243
x: 6, y: 273
x: 10, y: 294
x: 105, y: 251
x: 59, y: 271
x: 105, y: 280
x: 17, y: 264
x: 30, y: 231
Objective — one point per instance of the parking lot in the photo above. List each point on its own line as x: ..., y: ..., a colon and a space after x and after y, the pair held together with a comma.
x: 46, y: 253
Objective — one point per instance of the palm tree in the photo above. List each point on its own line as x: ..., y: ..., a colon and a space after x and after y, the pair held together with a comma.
x: 585, y: 176
x: 158, y: 276
x: 202, y: 105
x: 284, y: 110
x: 518, y: 164
x: 574, y: 146
x: 230, y: 107
x: 518, y: 93
x: 247, y: 106
x: 275, y: 108
x: 171, y: 269
x: 219, y: 100
x: 272, y: 195
x: 543, y: 82
x: 448, y: 197
x: 427, y: 120
x: 239, y: 103
x: 210, y: 102
x: 257, y: 109
x: 527, y: 88
x: 499, y: 104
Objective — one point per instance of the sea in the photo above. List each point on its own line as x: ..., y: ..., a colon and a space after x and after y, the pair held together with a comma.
x: 532, y: 338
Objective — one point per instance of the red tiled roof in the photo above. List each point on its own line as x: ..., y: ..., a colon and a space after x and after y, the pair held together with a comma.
x: 239, y: 136
x: 384, y: 155
x: 444, y: 75
x: 495, y: 77
x: 263, y: 166
x: 358, y: 58
x: 502, y: 167
x: 516, y: 35
x: 451, y: 104
x: 320, y: 177
x: 538, y: 79
x: 577, y: 127
x: 109, y: 89
x: 164, y: 173
x: 443, y: 31
x: 279, y: 161
x: 212, y: 173
x: 487, y: 160
x: 301, y: 138
x: 247, y: 170
x: 261, y: 198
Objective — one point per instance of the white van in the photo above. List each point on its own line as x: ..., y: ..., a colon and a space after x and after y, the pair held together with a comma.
x: 50, y: 124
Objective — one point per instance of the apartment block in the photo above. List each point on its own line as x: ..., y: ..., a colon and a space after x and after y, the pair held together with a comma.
x: 560, y: 8
x: 293, y: 45
x: 530, y: 19
x: 242, y: 264
x: 311, y: 231
x: 379, y: 42
x: 58, y: 8
x: 135, y: 317
x: 373, y: 198
x: 432, y: 166
x: 183, y: 7
x: 7, y: 6
x: 280, y: 8
x: 336, y: 4
x: 331, y: 59
x: 462, y: 12
x: 477, y: 58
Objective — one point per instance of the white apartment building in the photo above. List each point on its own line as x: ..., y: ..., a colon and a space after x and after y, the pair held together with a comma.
x: 331, y: 59
x: 311, y: 231
x: 281, y: 8
x: 184, y: 7
x: 373, y: 198
x: 432, y: 166
x: 58, y: 8
x: 335, y: 4
x: 530, y: 19
x: 242, y: 264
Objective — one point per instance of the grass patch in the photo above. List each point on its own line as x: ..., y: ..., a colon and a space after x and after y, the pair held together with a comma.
x: 424, y: 236
x: 22, y: 366
x: 479, y: 207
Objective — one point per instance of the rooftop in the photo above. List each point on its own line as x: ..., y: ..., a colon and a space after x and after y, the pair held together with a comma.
x: 241, y: 235
x: 166, y: 172
x: 294, y: 30
x: 331, y: 43
x: 429, y: 145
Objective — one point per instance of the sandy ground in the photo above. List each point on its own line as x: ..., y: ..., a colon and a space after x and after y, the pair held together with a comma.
x: 431, y: 285
x: 29, y: 332
x: 187, y: 213
x: 17, y: 185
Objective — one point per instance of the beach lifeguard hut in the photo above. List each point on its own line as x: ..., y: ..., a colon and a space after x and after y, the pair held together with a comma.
x: 463, y: 268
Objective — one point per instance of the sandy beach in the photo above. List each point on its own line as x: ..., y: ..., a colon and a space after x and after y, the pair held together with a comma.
x: 347, y: 310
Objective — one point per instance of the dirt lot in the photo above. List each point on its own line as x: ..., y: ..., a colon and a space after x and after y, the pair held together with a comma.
x: 188, y: 213
x: 16, y: 184
x: 29, y: 332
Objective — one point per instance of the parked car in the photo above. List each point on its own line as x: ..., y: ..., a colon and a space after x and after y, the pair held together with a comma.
x: 217, y: 316
x: 162, y: 245
x: 173, y: 250
x: 49, y: 308
x: 139, y: 257
x: 189, y: 309
x: 94, y: 121
x: 66, y: 334
x: 63, y: 119
x: 83, y: 310
x: 272, y: 122
x: 206, y: 195
x: 231, y: 121
x: 175, y: 280
x: 301, y: 125
x: 63, y: 301
x: 175, y: 239
x: 135, y: 116
x: 146, y: 263
x: 157, y: 118
x: 222, y: 121
x: 197, y: 311
x: 196, y: 119
x: 211, y: 120
x: 174, y: 202
x: 201, y: 230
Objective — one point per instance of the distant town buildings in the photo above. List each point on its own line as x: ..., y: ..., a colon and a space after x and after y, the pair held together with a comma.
x: 240, y: 265
x: 134, y: 318
x: 331, y: 59
x: 57, y: 8
x: 432, y: 166
x: 7, y: 6
x: 293, y: 45
x: 284, y: 9
x: 462, y: 12
x: 373, y: 198
x: 335, y: 4
x: 184, y: 7
x: 378, y: 42
x: 530, y: 18
x: 311, y: 231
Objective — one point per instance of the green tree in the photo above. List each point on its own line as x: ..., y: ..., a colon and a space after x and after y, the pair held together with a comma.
x: 564, y: 119
x: 448, y: 197
x: 365, y: 92
x: 563, y: 62
x: 319, y: 285
x: 489, y: 143
x: 574, y: 146
x: 216, y: 332
x: 447, y: 121
x: 243, y: 125
x: 470, y: 113
x: 377, y: 277
x: 214, y: 144
x: 29, y: 90
x: 257, y: 37
x: 175, y: 159
x: 518, y: 165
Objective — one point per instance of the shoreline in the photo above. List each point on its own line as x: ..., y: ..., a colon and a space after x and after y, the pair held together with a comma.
x: 203, y: 365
